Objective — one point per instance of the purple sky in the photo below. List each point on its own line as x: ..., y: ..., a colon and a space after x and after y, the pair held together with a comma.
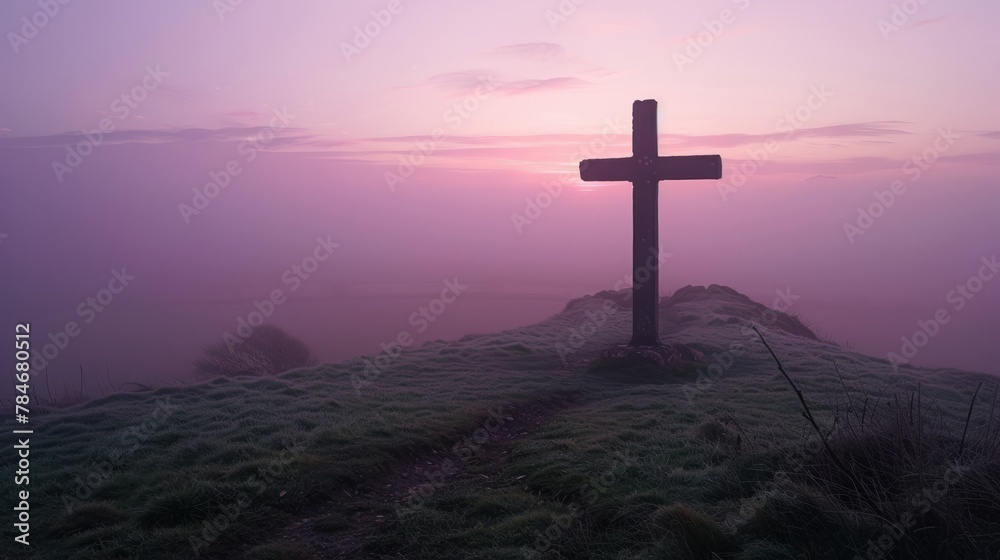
x: 319, y: 124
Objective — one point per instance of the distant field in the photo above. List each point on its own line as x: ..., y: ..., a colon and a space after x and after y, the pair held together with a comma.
x: 494, y: 446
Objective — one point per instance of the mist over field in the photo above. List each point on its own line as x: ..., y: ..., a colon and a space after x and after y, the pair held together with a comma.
x: 195, y: 277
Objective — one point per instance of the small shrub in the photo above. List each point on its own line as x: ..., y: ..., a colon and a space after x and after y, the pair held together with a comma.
x: 268, y: 351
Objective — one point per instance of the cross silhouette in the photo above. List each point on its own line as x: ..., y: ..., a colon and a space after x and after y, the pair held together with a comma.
x: 645, y: 169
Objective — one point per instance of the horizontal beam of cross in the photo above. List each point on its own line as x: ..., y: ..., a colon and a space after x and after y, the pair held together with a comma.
x: 667, y: 168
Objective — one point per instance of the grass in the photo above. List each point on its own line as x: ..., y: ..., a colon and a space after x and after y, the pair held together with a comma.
x: 924, y: 491
x: 642, y: 371
x: 632, y: 467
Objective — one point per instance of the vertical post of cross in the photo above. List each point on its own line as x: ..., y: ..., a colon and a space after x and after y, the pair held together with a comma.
x: 645, y: 232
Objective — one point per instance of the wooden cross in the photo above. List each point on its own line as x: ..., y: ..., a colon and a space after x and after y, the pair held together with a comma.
x: 645, y: 169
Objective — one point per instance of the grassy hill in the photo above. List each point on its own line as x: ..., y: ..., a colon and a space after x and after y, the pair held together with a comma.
x: 510, y: 445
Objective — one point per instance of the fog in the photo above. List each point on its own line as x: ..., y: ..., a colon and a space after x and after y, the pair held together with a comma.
x: 195, y: 277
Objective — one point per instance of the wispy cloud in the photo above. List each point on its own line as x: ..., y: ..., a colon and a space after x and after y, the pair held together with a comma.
x: 545, y: 152
x: 614, y: 22
x: 682, y: 40
x: 982, y: 158
x: 540, y: 151
x: 864, y: 131
x: 461, y: 82
x: 930, y: 21
x: 183, y: 95
x: 860, y: 165
x: 820, y: 178
x: 532, y: 51
x: 244, y: 114
x: 177, y: 136
x: 876, y: 131
x: 535, y: 143
x: 518, y: 87
x: 465, y: 82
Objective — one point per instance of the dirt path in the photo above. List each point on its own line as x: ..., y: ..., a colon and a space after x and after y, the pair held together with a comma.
x: 340, y: 527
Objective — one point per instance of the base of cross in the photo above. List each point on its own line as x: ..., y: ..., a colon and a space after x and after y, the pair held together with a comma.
x: 664, y: 355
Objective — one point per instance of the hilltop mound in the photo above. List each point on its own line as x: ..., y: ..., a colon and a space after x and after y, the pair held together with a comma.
x: 717, y: 304
x: 724, y: 300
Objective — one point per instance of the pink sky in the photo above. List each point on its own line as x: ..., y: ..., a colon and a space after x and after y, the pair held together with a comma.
x: 839, y: 100
x: 554, y: 74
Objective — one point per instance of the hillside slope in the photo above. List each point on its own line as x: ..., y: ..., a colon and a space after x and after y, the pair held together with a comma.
x: 500, y: 445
